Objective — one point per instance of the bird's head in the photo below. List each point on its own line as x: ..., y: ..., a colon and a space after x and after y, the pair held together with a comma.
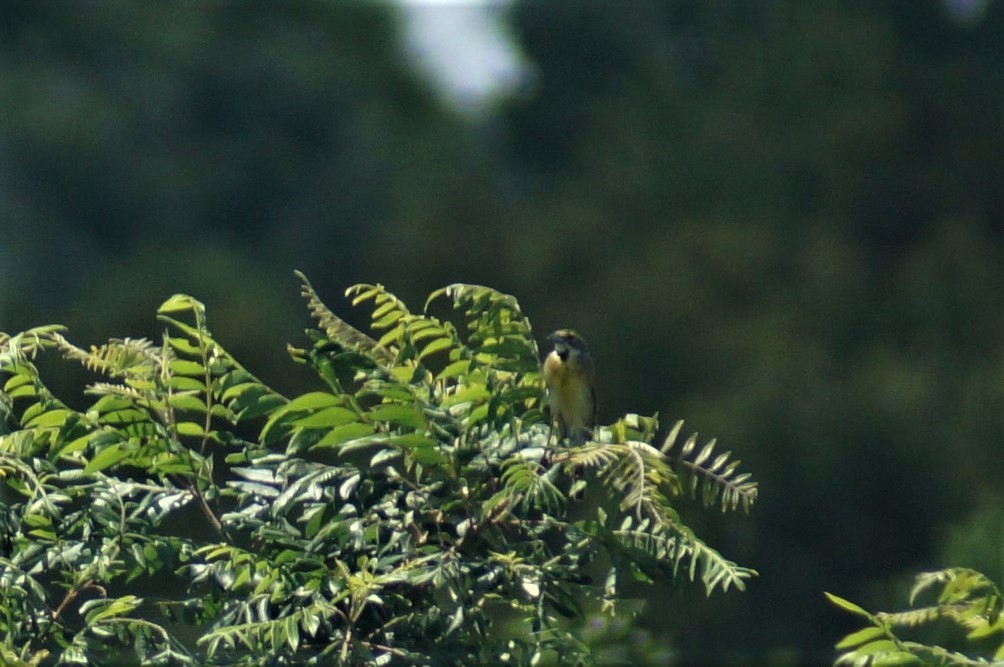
x: 568, y: 342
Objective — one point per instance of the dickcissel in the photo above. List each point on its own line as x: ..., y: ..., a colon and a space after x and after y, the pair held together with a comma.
x: 568, y: 374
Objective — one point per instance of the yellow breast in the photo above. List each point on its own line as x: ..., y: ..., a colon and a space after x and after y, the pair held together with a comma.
x: 570, y: 395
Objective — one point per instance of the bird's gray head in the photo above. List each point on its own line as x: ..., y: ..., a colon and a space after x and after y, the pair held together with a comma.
x: 567, y: 342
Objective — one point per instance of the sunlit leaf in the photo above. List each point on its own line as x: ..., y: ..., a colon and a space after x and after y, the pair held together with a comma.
x: 402, y: 415
x: 190, y: 429
x: 108, y: 456
x: 326, y: 418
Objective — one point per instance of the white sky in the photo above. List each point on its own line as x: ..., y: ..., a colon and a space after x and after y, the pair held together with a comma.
x: 464, y: 45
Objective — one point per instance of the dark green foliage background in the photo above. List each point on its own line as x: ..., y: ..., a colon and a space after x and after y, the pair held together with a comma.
x: 780, y: 220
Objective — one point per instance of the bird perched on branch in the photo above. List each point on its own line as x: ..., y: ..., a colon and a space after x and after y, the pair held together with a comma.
x: 568, y: 373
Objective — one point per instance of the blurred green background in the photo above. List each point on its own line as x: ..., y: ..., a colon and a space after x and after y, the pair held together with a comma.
x: 780, y: 220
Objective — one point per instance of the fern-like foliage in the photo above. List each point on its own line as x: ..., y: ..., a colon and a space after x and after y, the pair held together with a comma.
x: 963, y: 597
x: 641, y: 477
x: 716, y: 479
x: 338, y: 329
x: 404, y: 511
x: 117, y: 358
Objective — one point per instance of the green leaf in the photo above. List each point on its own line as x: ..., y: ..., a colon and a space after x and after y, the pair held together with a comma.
x: 184, y: 346
x: 187, y: 402
x: 847, y: 605
x: 185, y: 367
x: 190, y: 429
x: 182, y: 383
x: 19, y: 380
x: 22, y: 391
x: 412, y: 441
x: 111, y: 608
x: 284, y: 418
x: 455, y: 369
x: 75, y: 445
x: 238, y: 390
x: 421, y: 448
x: 435, y: 346
x: 37, y: 520
x: 310, y: 623
x: 243, y: 577
x: 49, y: 419
x: 471, y: 394
x: 877, y: 647
x: 861, y: 637
x: 345, y: 433
x: 252, y: 404
x: 404, y: 415
x: 292, y: 631
x: 179, y: 303
x: 313, y: 400
x: 327, y: 418
x: 108, y: 456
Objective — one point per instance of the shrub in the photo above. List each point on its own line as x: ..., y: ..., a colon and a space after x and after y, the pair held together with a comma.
x: 414, y: 508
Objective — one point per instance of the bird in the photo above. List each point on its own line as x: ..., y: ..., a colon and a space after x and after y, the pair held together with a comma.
x: 569, y: 373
